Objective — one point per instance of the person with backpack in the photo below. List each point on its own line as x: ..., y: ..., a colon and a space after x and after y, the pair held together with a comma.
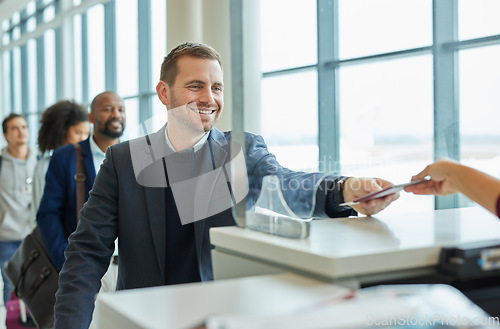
x: 17, y: 163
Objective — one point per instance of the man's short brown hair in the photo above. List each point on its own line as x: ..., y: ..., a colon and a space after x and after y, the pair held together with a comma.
x: 169, y: 65
x: 8, y: 118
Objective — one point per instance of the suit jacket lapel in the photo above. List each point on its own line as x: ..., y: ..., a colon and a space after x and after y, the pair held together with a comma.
x: 155, y: 198
x: 217, y: 141
x: 155, y: 205
x: 88, y: 164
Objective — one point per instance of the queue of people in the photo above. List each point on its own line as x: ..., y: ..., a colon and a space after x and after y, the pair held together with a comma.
x: 136, y: 191
x: 23, y: 190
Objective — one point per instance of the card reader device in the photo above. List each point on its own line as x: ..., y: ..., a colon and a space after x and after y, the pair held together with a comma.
x: 471, y: 260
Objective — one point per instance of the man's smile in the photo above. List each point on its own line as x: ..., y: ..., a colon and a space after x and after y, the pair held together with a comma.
x: 202, y: 111
x: 115, y: 123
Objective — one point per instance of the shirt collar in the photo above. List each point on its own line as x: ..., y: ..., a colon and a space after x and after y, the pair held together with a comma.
x: 196, y: 146
x: 93, y: 146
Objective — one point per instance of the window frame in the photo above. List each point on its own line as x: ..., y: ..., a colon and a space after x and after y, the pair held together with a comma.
x: 65, y: 10
x: 444, y: 49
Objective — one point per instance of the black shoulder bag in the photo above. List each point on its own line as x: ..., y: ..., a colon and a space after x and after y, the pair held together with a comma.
x: 30, y: 270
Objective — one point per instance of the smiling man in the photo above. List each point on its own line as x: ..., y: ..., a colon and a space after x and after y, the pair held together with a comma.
x: 134, y: 195
x: 56, y: 215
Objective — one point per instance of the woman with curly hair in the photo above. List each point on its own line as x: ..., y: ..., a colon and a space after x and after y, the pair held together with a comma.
x: 62, y: 123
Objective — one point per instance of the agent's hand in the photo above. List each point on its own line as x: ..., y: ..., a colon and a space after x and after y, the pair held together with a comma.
x: 441, y: 179
x: 357, y: 187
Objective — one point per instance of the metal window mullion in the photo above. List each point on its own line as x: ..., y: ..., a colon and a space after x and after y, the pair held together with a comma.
x: 24, y: 71
x: 237, y: 61
x: 291, y: 70
x: 491, y: 40
x: 328, y: 107
x: 40, y: 62
x: 11, y: 74
x: 236, y: 8
x: 25, y: 94
x: 145, y: 59
x: 110, y: 45
x: 58, y: 63
x: 12, y: 82
x: 3, y: 102
x: 446, y: 111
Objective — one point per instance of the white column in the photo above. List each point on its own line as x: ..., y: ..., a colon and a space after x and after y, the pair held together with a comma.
x: 184, y: 22
x: 252, y: 65
x: 216, y: 33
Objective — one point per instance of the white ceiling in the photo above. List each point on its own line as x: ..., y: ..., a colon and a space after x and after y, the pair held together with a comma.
x: 8, y: 7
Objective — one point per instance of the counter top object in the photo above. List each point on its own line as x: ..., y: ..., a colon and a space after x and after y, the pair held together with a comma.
x: 188, y: 305
x: 363, y: 249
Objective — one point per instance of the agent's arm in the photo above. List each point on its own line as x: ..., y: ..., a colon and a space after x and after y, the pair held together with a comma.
x: 449, y: 177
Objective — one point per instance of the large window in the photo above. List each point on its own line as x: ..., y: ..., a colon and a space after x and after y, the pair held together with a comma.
x: 116, y: 45
x: 480, y: 108
x: 289, y: 99
x: 479, y: 82
x: 288, y: 40
x: 290, y: 118
x: 78, y: 57
x: 96, y: 82
x: 50, y: 67
x: 379, y: 84
x: 478, y: 18
x: 348, y: 86
x: 27, y: 54
x: 368, y: 27
x: 386, y: 120
x: 126, y: 46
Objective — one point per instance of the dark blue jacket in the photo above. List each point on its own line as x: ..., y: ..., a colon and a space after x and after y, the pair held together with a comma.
x: 56, y: 215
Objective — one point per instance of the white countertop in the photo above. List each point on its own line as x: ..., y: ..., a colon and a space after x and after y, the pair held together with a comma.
x: 353, y: 246
x: 187, y: 305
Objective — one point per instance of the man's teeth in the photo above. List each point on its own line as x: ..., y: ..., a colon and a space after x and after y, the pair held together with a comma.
x: 202, y: 111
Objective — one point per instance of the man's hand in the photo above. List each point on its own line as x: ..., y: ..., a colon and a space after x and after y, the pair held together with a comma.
x: 357, y: 187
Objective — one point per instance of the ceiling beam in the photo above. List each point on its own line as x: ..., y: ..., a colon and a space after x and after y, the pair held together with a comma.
x: 8, y: 7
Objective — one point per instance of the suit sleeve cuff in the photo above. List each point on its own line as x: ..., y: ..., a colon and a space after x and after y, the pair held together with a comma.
x: 335, y: 196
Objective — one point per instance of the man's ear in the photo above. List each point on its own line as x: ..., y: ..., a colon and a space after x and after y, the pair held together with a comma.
x: 162, y: 92
x: 91, y: 117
